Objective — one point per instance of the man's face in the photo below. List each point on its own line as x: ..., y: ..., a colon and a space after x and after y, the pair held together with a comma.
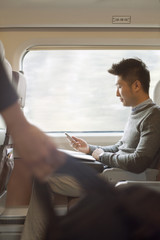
x: 125, y: 92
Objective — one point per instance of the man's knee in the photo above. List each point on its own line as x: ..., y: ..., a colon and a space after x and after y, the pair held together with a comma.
x: 65, y: 185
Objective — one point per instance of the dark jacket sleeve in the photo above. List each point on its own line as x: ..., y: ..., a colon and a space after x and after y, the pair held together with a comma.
x: 8, y: 95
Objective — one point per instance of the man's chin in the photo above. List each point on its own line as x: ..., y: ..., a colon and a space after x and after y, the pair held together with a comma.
x: 125, y: 104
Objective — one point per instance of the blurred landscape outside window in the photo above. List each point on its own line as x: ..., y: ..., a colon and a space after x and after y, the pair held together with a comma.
x: 71, y: 90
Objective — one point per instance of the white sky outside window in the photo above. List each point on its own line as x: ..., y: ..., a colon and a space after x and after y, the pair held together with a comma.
x: 71, y: 90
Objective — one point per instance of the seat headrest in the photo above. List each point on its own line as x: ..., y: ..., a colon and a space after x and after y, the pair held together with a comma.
x: 156, y: 93
x: 19, y: 83
x: 5, y: 62
x: 8, y: 69
x: 16, y: 78
x: 2, y: 52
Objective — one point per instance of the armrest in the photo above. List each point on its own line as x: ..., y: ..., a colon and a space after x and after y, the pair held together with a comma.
x: 149, y: 184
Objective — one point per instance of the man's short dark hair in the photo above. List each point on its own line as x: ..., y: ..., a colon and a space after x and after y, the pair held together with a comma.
x: 131, y: 70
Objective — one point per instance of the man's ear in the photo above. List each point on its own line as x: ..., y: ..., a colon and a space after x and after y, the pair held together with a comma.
x: 137, y: 85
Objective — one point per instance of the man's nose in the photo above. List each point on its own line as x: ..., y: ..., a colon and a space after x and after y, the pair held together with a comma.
x: 117, y: 93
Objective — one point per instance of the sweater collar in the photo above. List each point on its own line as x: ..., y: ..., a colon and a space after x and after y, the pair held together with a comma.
x: 142, y: 105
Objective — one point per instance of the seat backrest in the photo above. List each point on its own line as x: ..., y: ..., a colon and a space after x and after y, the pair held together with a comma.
x: 6, y: 150
x: 2, y: 52
x: 5, y: 62
x: 19, y: 83
x: 156, y: 99
x: 156, y: 93
x: 5, y: 170
x: 7, y: 161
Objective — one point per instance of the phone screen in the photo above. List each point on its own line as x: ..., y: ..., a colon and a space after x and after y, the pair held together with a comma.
x: 69, y: 137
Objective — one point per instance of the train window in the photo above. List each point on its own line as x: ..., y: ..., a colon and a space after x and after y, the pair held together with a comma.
x: 71, y: 90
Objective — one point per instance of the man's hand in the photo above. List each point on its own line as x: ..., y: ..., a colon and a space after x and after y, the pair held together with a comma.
x: 97, y: 153
x: 79, y: 145
x: 36, y: 149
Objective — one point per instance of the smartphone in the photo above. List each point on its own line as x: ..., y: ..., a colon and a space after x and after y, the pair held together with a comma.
x: 69, y: 137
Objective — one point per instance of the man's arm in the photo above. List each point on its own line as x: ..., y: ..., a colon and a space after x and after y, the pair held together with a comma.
x: 111, y: 148
x: 34, y: 147
x: 146, y: 150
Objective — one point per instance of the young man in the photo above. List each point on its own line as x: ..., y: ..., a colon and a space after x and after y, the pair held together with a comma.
x: 139, y: 146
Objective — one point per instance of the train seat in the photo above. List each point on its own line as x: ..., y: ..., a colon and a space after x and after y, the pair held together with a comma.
x: 115, y: 175
x: 8, y: 68
x: 19, y: 83
x: 2, y: 51
x: 154, y: 185
x: 3, y: 192
x: 156, y: 93
x: 156, y: 99
x: 7, y: 65
x: 12, y: 219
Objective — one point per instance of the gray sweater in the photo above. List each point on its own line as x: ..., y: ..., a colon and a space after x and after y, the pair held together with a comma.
x: 140, y: 145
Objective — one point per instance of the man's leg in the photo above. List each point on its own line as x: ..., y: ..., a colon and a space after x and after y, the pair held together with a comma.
x: 65, y: 185
x: 36, y: 219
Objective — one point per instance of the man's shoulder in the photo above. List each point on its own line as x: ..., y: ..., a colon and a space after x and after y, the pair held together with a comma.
x: 154, y: 112
x: 155, y: 108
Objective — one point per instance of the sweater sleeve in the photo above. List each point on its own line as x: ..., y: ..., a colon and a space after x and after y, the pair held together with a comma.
x: 146, y: 151
x: 111, y: 148
x: 8, y: 95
